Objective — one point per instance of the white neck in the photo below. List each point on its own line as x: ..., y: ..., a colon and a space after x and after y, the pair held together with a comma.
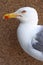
x: 25, y: 33
x: 32, y: 23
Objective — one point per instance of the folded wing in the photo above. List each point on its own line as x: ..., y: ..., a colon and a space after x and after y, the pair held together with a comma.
x: 38, y: 43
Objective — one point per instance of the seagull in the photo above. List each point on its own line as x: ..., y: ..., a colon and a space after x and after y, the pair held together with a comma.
x: 29, y: 33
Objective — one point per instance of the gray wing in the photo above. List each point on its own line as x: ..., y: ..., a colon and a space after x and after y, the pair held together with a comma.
x: 38, y: 44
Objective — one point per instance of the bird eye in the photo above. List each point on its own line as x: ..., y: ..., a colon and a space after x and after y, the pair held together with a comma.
x: 23, y: 11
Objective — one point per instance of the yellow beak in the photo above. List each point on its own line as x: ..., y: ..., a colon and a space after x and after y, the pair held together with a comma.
x: 11, y: 15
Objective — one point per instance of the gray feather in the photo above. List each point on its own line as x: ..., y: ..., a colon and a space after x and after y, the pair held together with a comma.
x: 39, y: 38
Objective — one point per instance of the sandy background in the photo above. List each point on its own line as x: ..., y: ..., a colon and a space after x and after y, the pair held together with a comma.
x: 10, y: 51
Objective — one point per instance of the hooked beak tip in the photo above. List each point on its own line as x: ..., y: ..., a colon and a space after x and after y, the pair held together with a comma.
x: 5, y: 17
x: 11, y: 15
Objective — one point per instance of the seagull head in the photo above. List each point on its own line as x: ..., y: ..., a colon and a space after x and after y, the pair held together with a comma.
x: 24, y: 14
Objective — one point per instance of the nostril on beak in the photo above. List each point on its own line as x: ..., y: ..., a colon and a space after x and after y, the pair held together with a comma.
x: 20, y: 15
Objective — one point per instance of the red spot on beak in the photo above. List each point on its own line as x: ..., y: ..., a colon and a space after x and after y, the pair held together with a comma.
x: 6, y: 17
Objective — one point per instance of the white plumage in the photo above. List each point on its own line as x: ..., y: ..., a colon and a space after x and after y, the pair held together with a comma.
x: 30, y: 35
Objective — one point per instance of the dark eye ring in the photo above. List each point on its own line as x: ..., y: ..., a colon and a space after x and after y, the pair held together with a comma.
x: 23, y: 11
